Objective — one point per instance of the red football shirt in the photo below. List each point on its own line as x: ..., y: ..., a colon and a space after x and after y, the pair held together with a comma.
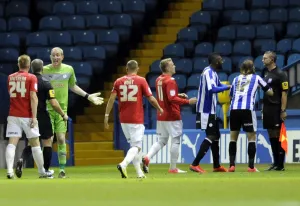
x: 167, y: 96
x: 130, y: 90
x: 20, y: 84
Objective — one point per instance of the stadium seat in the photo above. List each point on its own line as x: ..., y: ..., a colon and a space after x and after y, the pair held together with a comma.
x: 181, y: 81
x: 193, y: 81
x: 280, y: 62
x: 83, y: 81
x: 292, y: 58
x: 278, y: 3
x: 265, y: 31
x: 174, y: 51
x: 37, y: 39
x: 200, y: 17
x: 19, y: 24
x: 240, y: 17
x: 241, y: 47
x: 259, y: 16
x: 278, y: 15
x: 3, y: 25
x: 95, y: 55
x: 223, y: 47
x: 192, y: 93
x: 17, y: 9
x: 293, y: 29
x: 187, y: 34
x: 1, y: 10
x: 87, y: 7
x: 284, y: 46
x: 245, y: 32
x: 213, y: 5
x: 222, y: 76
x: 7, y: 69
x: 50, y: 23
x: 263, y: 45
x: 82, y: 69
x: 39, y: 52
x: 184, y: 66
x: 232, y: 76
x: 9, y: 40
x: 237, y: 60
x: 44, y: 8
x: 226, y: 33
x: 9, y: 55
x: 110, y: 7
x: 72, y: 54
x: 136, y: 8
x: 109, y: 39
x: 4, y: 103
x: 73, y: 22
x: 84, y: 38
x: 294, y: 3
x: 259, y: 4
x: 242, y: 59
x: 64, y: 8
x: 60, y: 38
x: 122, y: 23
x: 229, y: 4
x: 203, y: 49
x: 294, y: 14
x: 151, y: 80
x: 227, y: 64
x: 154, y: 67
x: 97, y: 22
x: 296, y: 46
x: 199, y: 64
x: 259, y: 65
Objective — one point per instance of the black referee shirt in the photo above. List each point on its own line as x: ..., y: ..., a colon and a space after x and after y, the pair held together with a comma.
x: 45, y: 92
x: 278, y: 81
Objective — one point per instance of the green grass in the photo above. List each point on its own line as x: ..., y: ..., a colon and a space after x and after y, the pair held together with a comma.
x: 91, y: 186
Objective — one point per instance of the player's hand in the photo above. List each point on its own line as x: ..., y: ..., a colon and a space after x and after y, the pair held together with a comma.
x: 161, y: 111
x: 65, y: 117
x: 229, y: 87
x: 33, y: 123
x: 183, y: 95
x: 283, y: 116
x: 193, y: 100
x: 106, y: 125
x: 96, y: 99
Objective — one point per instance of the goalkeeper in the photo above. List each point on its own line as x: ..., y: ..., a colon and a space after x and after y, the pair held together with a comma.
x: 62, y: 78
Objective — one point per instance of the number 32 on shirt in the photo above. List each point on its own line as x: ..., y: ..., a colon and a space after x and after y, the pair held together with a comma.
x: 128, y: 93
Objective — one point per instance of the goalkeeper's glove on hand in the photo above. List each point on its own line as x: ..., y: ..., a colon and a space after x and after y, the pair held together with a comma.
x: 95, y: 98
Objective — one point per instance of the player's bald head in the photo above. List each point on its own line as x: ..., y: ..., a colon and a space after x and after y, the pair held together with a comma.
x: 57, y: 50
x: 37, y: 65
x: 132, y: 65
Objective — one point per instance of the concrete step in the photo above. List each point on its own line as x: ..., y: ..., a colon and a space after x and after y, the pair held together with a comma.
x: 93, y: 146
x: 92, y: 118
x: 96, y: 109
x: 150, y: 45
x: 146, y: 61
x: 92, y: 127
x: 99, y: 153
x: 155, y: 53
x: 142, y: 69
x: 97, y: 161
x: 160, y: 38
x: 165, y: 29
x: 178, y: 14
x: 186, y: 5
x: 173, y: 22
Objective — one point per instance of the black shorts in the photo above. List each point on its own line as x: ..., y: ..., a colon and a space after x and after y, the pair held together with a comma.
x: 45, y: 126
x: 212, y: 128
x: 271, y: 116
x: 244, y: 118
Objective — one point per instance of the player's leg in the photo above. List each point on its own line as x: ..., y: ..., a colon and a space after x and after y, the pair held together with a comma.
x: 47, y: 152
x: 137, y: 160
x: 26, y: 153
x: 14, y: 133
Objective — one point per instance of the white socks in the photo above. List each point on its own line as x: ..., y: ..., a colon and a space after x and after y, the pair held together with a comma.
x: 10, y: 157
x: 136, y: 163
x: 174, y: 155
x: 132, y: 152
x: 38, y: 158
x: 154, y: 149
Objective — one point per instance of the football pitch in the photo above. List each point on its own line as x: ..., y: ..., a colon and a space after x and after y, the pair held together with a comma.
x: 103, y: 185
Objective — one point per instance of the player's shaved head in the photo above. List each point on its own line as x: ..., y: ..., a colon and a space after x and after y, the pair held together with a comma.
x: 132, y: 65
x: 24, y: 61
x: 57, y: 50
x: 37, y: 65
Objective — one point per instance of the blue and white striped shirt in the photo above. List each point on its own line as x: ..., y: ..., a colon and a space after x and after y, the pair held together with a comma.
x: 243, y: 91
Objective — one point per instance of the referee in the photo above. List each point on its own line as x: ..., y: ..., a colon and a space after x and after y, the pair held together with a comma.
x: 274, y: 107
x: 45, y: 92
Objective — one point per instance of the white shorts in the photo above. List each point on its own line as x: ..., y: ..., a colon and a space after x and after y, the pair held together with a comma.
x: 169, y: 128
x: 16, y: 125
x: 133, y: 132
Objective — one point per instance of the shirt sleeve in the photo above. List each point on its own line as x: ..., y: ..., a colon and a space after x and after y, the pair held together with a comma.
x: 72, y: 80
x: 146, y: 89
x: 115, y: 88
x: 50, y: 90
x: 265, y: 87
x: 284, y: 81
x: 171, y: 90
x: 33, y: 84
x: 209, y: 80
x: 232, y: 87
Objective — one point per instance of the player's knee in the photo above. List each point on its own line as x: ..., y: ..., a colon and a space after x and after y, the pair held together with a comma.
x: 212, y: 138
x: 176, y: 140
x: 137, y: 144
x: 13, y: 140
x: 163, y: 141
x: 234, y: 136
x: 251, y: 136
x: 34, y: 142
x: 273, y: 133
x: 47, y: 142
x: 61, y: 138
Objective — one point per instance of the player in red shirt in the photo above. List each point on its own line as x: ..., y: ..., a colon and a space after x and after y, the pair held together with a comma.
x: 169, y: 124
x: 22, y: 88
x: 130, y: 90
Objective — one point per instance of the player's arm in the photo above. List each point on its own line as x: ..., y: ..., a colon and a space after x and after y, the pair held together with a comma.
x: 211, y: 84
x: 33, y: 100
x: 232, y: 89
x: 265, y: 87
x: 54, y: 103
x: 109, y: 107
x: 284, y: 87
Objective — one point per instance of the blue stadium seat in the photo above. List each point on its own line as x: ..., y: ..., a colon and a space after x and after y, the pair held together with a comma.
x: 4, y: 103
x: 83, y: 81
x: 151, y: 80
x: 278, y: 3
x: 227, y: 64
x: 39, y: 52
x: 232, y: 76
x: 84, y: 38
x: 181, y: 81
x: 1, y: 10
x: 229, y: 4
x: 278, y: 15
x: 7, y: 69
x: 203, y: 49
x: 184, y: 66
x: 193, y: 81
x: 292, y: 58
x: 199, y: 64
x: 73, y: 22
x: 19, y: 24
x: 37, y: 39
x: 9, y: 40
x: 240, y: 17
x: 259, y: 4
x: 123, y: 24
x: 187, y: 34
x: 242, y: 59
x: 72, y: 53
x: 60, y: 38
x: 222, y: 76
x: 226, y: 33
x: 293, y: 3
x: 245, y: 32
x: 18, y: 9
x: 259, y: 65
x: 242, y: 47
x: 154, y: 67
x: 97, y: 22
x: 263, y: 45
x: 87, y: 7
x: 265, y: 31
x: 95, y: 56
x: 238, y: 59
x: 259, y: 16
x: 9, y: 55
x: 284, y: 46
x: 136, y: 8
x: 110, y: 7
x: 200, y: 17
x: 50, y: 23
x: 293, y: 29
x: 3, y: 25
x: 223, y: 47
x: 213, y: 5
x: 109, y: 39
x: 64, y: 8
x: 280, y: 62
x: 82, y: 68
x: 296, y: 46
x: 294, y: 14
x: 44, y: 8
x: 174, y: 51
x: 192, y: 93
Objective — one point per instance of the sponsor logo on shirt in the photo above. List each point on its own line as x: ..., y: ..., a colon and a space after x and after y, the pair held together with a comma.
x: 172, y: 93
x: 58, y: 85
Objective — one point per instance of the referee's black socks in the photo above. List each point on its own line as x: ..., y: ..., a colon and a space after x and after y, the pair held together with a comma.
x: 215, y: 153
x: 281, y: 156
x: 275, y: 149
x: 47, y: 153
x: 201, y: 153
x: 232, y: 153
x: 251, y: 154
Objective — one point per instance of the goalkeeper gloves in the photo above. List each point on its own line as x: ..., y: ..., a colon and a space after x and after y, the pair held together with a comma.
x: 95, y: 98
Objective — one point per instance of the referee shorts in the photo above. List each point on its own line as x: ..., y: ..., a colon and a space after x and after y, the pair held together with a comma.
x: 271, y: 116
x: 44, y: 125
